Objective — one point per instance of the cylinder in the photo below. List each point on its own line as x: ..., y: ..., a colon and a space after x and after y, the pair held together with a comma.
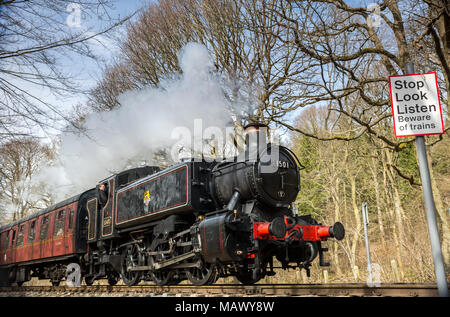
x: 220, y: 242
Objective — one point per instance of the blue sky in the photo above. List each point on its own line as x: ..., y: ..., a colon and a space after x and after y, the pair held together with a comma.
x: 103, y: 45
x: 120, y: 9
x: 87, y: 72
x: 83, y: 71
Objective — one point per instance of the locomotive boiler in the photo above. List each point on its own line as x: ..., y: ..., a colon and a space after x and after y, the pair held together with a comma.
x: 196, y: 220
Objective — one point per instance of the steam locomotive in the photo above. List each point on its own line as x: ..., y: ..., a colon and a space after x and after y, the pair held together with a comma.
x: 198, y: 220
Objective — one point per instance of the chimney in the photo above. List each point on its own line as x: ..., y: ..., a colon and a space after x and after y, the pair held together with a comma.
x: 255, y: 139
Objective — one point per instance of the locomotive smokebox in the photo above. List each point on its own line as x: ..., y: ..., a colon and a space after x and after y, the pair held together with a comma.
x: 255, y: 139
x: 263, y: 171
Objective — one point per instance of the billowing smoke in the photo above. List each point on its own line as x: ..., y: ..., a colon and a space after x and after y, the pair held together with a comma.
x: 143, y: 125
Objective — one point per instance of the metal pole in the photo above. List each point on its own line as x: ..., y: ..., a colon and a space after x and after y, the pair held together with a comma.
x: 439, y: 268
x: 430, y: 208
x: 365, y: 215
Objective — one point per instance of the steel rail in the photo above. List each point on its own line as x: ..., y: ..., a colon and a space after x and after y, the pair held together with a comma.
x: 224, y: 290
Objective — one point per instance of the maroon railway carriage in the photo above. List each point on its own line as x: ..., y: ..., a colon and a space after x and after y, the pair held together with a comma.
x: 43, y: 244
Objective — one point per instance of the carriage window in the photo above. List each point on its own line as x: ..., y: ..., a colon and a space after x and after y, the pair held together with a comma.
x: 32, y: 231
x: 71, y: 219
x: 20, y: 235
x: 43, y: 233
x: 58, y: 230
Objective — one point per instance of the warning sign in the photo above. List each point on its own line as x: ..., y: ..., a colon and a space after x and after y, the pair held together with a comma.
x: 416, y: 107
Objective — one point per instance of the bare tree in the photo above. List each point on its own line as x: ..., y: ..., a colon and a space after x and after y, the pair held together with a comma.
x: 352, y: 51
x: 242, y: 36
x: 20, y: 162
x: 283, y: 55
x: 37, y: 39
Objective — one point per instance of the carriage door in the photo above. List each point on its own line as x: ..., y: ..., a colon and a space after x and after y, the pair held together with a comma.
x: 12, y: 245
x: 34, y: 249
x: 91, y: 207
x: 44, y: 246
x: 3, y: 239
x: 58, y: 233
x: 20, y: 250
x: 6, y: 249
x: 70, y: 237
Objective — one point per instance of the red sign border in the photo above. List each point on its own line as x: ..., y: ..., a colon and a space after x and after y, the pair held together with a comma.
x: 439, y: 100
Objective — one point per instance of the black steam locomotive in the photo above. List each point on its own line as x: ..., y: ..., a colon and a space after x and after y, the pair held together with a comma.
x: 200, y: 220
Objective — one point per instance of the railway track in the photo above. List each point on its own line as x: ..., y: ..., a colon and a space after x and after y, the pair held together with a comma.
x: 227, y: 290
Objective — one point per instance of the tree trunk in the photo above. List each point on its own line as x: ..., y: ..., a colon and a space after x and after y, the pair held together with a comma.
x: 392, y: 196
x: 442, y: 214
x: 373, y: 168
x: 337, y: 216
x: 357, y: 215
x: 398, y: 209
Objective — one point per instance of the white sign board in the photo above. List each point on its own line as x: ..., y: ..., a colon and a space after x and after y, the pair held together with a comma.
x: 416, y: 107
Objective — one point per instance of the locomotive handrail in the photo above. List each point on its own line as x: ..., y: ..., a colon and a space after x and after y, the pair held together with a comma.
x: 223, y: 165
x: 218, y: 211
x: 296, y: 158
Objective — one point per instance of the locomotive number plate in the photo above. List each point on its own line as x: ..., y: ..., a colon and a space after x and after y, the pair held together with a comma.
x: 283, y: 164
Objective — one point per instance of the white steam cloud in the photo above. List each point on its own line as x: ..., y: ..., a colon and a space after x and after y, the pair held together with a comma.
x: 143, y: 124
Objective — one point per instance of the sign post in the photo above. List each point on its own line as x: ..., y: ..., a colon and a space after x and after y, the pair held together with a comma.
x: 415, y: 105
x: 416, y: 109
x: 365, y: 215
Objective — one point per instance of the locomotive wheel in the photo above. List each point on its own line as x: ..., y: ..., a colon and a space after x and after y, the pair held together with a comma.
x: 113, y: 278
x: 54, y: 283
x: 245, y: 276
x: 206, y: 275
x: 89, y: 280
x: 163, y: 276
x: 130, y: 257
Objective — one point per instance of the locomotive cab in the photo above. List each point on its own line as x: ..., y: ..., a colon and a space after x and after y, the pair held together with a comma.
x: 102, y: 206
